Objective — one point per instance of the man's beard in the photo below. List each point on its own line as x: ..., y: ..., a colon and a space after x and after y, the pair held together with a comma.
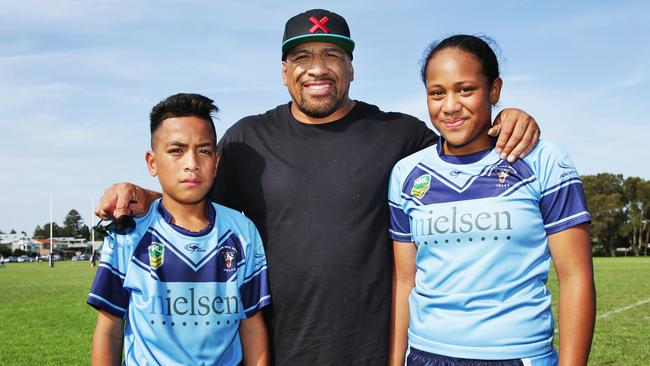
x: 319, y: 107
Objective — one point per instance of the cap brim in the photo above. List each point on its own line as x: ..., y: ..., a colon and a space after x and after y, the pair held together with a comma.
x: 344, y: 42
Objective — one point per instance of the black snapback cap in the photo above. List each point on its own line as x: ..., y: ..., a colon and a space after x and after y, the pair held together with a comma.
x: 316, y: 25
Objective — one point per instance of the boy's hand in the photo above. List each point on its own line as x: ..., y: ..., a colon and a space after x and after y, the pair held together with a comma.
x: 124, y: 199
x: 518, y: 133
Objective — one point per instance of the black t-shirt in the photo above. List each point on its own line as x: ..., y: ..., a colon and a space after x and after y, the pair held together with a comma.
x: 317, y: 194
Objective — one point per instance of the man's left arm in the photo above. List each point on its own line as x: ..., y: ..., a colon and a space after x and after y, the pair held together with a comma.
x: 517, y: 132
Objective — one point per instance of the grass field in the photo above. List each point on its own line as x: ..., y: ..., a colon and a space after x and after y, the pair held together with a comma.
x: 44, y: 319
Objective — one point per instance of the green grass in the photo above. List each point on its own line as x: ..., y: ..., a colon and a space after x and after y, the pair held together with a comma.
x: 621, y: 338
x: 44, y: 319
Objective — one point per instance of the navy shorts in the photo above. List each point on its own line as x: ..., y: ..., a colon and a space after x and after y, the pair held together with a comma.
x: 416, y: 357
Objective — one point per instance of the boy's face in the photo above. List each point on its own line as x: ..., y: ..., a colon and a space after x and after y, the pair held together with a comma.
x: 184, y: 158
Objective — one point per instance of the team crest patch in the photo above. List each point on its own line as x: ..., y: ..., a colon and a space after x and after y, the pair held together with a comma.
x: 156, y: 254
x: 421, y: 186
x: 502, y: 174
x: 228, y: 257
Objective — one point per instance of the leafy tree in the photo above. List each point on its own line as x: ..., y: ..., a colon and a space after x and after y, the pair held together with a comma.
x: 84, y: 232
x: 637, y: 206
x: 5, y: 251
x: 38, y: 232
x: 12, y: 231
x: 72, y: 224
x: 56, y: 230
x: 604, y: 193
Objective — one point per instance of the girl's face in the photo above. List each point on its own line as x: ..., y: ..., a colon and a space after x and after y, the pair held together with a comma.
x: 460, y: 101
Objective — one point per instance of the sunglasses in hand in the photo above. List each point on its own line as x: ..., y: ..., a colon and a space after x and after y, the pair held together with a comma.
x: 122, y: 225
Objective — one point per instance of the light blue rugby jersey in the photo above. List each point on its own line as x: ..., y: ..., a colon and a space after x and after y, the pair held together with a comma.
x: 183, y: 294
x: 481, y: 226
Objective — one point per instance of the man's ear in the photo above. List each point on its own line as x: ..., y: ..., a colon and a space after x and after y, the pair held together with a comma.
x: 351, y: 71
x: 495, y: 91
x: 284, y: 73
x: 150, y: 158
x: 216, y: 164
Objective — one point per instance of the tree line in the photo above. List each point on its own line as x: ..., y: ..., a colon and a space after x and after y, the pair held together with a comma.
x: 73, y: 227
x: 620, y: 215
x: 619, y: 207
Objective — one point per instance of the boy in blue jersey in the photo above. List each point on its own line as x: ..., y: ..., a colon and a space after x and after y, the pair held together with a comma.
x: 474, y: 234
x: 186, y: 285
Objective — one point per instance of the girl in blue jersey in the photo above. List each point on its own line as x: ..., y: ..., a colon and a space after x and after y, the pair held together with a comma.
x: 474, y: 234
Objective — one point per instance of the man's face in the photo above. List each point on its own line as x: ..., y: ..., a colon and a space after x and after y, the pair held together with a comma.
x: 184, y: 158
x: 318, y: 77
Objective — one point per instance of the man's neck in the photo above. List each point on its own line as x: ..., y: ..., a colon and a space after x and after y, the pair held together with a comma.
x: 192, y: 217
x: 341, y: 112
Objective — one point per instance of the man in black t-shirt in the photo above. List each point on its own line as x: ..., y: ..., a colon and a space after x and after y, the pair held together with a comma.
x: 313, y: 176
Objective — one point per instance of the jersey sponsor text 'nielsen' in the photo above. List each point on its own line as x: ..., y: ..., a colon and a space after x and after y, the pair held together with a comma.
x: 453, y: 222
x: 201, y: 305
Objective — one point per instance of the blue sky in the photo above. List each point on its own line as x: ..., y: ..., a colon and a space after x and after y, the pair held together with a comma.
x: 78, y: 79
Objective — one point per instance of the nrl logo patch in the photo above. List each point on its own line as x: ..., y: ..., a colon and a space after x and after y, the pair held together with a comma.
x: 421, y: 186
x: 156, y: 254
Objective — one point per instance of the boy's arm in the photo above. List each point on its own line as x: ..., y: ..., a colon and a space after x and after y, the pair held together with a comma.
x: 571, y: 252
x: 107, y: 340
x: 403, y: 283
x: 255, y: 342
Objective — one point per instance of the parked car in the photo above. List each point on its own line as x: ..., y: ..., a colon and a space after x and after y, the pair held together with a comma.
x: 81, y: 257
x: 10, y: 259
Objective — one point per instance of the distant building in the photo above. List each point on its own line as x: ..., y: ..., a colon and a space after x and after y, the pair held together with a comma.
x: 64, y: 246
x: 19, y: 241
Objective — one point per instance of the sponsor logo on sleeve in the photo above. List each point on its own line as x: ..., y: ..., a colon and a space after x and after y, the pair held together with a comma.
x: 259, y: 259
x: 567, y: 167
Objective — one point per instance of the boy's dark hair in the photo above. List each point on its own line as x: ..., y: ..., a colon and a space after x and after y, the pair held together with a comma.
x: 183, y: 105
x: 479, y: 46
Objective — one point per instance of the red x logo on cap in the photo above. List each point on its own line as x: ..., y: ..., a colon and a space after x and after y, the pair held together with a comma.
x: 319, y: 24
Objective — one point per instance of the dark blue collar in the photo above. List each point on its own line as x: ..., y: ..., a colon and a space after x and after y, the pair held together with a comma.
x: 463, y: 159
x: 168, y: 218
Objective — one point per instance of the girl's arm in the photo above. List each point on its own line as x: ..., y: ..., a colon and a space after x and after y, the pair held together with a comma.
x: 403, y: 283
x: 254, y: 339
x: 571, y: 252
x: 107, y: 340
